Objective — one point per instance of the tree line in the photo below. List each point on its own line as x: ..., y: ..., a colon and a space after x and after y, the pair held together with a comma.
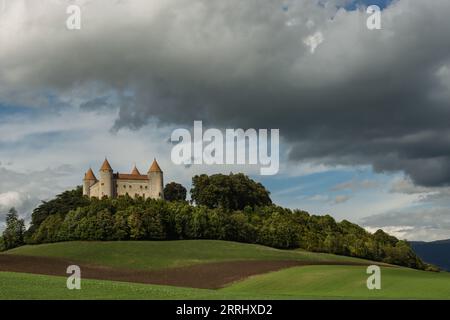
x: 223, y: 207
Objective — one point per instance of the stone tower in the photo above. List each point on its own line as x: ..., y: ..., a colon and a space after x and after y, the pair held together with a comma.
x: 106, y: 180
x: 155, y: 176
x: 88, y: 181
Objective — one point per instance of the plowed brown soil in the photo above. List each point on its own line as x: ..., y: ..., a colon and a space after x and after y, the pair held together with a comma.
x: 208, y: 275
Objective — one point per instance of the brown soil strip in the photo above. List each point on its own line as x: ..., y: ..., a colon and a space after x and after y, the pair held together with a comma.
x: 208, y: 275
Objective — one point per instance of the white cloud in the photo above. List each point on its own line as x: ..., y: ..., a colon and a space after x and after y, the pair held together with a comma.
x: 10, y: 199
x: 412, y: 233
x: 356, y: 185
x: 400, y: 232
x: 179, y: 59
x: 406, y: 186
x: 341, y: 199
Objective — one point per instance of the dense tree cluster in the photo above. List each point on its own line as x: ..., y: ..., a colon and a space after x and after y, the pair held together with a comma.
x: 125, y: 218
x: 227, y: 207
x: 64, y: 202
x: 175, y: 192
x: 233, y: 191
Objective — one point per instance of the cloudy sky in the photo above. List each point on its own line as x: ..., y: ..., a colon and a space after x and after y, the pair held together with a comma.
x: 363, y: 114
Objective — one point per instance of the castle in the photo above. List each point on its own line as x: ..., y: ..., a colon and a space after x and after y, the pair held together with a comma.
x: 117, y: 184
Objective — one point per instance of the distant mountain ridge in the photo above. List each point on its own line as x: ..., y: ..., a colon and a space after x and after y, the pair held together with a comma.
x: 435, y: 252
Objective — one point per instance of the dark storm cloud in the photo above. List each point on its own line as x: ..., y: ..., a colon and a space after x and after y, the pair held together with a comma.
x: 363, y: 97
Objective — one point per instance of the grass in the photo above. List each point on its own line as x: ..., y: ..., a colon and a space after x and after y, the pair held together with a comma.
x: 29, y: 286
x: 310, y: 282
x: 346, y: 282
x: 146, y: 255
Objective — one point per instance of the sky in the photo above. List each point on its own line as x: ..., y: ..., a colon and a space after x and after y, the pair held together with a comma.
x: 363, y: 114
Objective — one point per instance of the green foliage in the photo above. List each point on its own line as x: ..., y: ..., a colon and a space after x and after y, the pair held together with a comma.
x: 62, y: 204
x: 175, y: 192
x: 257, y: 221
x: 13, y: 235
x: 231, y: 192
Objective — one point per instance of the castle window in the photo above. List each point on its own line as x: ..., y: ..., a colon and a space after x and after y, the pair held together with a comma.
x: 146, y: 187
x: 130, y: 186
x: 124, y: 186
x: 103, y: 184
x: 141, y: 187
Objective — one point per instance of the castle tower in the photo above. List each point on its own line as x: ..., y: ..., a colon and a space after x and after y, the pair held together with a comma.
x: 88, y: 181
x: 155, y: 176
x: 135, y: 171
x: 106, y: 180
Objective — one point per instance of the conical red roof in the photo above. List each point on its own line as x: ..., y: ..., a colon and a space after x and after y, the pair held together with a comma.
x: 89, y: 175
x: 154, y: 167
x: 135, y: 171
x: 106, y: 166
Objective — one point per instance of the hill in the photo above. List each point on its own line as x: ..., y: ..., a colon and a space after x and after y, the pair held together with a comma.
x: 313, y: 282
x: 150, y: 255
x: 73, y: 217
x: 346, y: 282
x: 307, y: 280
x: 436, y: 252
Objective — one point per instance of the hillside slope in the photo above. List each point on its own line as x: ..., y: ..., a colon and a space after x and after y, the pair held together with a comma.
x: 347, y: 282
x: 150, y: 255
x: 187, y: 266
x: 309, y: 282
x: 436, y: 252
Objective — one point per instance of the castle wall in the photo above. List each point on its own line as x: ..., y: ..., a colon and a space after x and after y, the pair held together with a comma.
x: 94, y: 192
x: 87, y: 184
x: 133, y: 188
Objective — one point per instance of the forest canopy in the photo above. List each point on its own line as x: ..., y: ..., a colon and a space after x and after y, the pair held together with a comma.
x: 232, y: 207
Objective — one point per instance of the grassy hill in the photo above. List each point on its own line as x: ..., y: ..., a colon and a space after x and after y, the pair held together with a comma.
x: 147, y: 255
x: 347, y: 282
x: 309, y: 282
x: 303, y: 282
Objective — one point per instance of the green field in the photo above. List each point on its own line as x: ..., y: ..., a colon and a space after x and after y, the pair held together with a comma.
x: 306, y: 282
x: 145, y: 255
x: 311, y: 282
x: 346, y: 282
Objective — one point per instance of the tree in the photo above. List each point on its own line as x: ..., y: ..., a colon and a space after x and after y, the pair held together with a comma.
x: 228, y: 207
x: 49, y: 229
x: 62, y: 204
x: 231, y: 192
x: 14, y: 232
x: 175, y: 192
